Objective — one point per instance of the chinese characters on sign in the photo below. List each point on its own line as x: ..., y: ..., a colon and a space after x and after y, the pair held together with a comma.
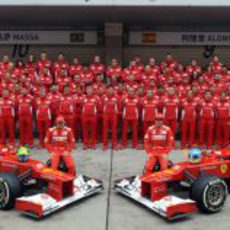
x: 179, y: 38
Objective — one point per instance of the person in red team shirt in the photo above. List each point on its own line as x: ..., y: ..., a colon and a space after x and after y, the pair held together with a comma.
x: 87, y: 76
x: 222, y: 120
x: 26, y: 83
x: 218, y: 82
x: 99, y: 83
x: 138, y: 64
x: 120, y: 93
x: 114, y: 72
x: 59, y: 141
x: 216, y: 65
x: 188, y: 120
x: 169, y: 62
x: 131, y: 83
x: 225, y: 73
x: 7, y: 117
x: 131, y: 105
x: 66, y: 107
x: 100, y: 94
x: 158, y: 142
x: 206, y: 120
x: 43, y: 62
x: 46, y: 77
x: 166, y: 74
x: 25, y: 106
x: 96, y: 67
x: 36, y: 86
x: 78, y: 98
x: 184, y: 86
x: 54, y: 97
x: 110, y: 113
x: 17, y: 91
x: 19, y: 68
x: 149, y: 109
x: 8, y: 82
x: 147, y: 75
x: 28, y: 75
x: 61, y: 63
x: 62, y: 79
x: 193, y: 67
x: 171, y: 110
x: 43, y: 115
x: 75, y: 68
x: 31, y: 64
x: 154, y: 68
x: 89, y: 118
x: 130, y: 70
x: 4, y: 65
x: 202, y: 85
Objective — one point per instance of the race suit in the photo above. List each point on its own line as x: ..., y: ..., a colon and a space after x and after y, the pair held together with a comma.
x: 66, y: 109
x: 59, y: 142
x: 222, y: 123
x: 43, y: 117
x: 188, y: 122
x: 89, y: 121
x: 25, y: 113
x: 207, y: 113
x: 110, y: 115
x: 158, y: 142
x: 130, y: 116
x: 170, y: 111
x: 149, y: 110
x: 7, y: 119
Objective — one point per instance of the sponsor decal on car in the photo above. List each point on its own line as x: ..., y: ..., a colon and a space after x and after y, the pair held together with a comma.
x: 224, y: 168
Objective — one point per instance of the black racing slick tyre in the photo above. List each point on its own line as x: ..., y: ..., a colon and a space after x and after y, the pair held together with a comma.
x: 210, y: 193
x: 10, y: 189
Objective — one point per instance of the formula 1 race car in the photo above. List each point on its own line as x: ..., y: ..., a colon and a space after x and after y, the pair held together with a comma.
x: 183, y: 188
x: 38, y: 190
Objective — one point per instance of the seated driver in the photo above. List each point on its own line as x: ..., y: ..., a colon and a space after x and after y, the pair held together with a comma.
x: 194, y: 156
x: 59, y: 141
x: 23, y: 154
x: 158, y: 142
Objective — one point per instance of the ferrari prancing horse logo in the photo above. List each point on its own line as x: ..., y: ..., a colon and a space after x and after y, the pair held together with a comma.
x: 224, y: 168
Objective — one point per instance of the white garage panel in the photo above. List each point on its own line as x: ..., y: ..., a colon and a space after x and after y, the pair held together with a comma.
x: 85, y: 54
x: 182, y: 53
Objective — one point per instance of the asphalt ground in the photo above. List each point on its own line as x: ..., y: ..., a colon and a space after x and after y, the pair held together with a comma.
x: 108, y: 210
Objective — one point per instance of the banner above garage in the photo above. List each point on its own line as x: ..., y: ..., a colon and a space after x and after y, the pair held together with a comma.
x: 179, y: 38
x: 49, y: 37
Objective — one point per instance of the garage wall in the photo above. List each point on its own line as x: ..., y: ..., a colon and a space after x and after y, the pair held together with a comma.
x: 85, y: 53
x: 183, y: 54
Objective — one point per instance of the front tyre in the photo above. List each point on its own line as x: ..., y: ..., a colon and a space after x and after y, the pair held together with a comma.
x: 10, y: 189
x: 210, y: 193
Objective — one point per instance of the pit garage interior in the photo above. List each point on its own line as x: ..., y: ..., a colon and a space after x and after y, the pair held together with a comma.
x: 113, y: 24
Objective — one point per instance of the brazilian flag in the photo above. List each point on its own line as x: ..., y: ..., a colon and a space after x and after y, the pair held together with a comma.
x: 77, y: 37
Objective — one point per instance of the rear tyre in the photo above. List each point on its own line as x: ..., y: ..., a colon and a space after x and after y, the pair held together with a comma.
x: 10, y: 189
x: 210, y: 193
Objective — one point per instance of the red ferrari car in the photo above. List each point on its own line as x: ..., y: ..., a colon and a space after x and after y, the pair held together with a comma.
x: 38, y: 190
x: 184, y: 187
